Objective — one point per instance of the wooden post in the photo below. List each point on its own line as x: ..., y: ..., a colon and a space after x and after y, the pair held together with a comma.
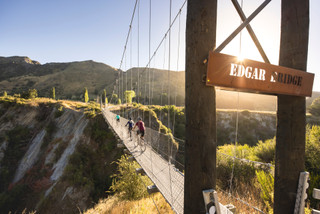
x: 200, y: 148
x: 291, y: 115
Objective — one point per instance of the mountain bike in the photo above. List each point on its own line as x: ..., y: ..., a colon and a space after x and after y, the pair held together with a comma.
x: 140, y: 141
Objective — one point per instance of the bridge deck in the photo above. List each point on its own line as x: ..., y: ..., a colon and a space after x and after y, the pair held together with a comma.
x: 168, y: 179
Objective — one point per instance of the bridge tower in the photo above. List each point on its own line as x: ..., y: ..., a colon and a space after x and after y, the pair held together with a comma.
x: 200, y: 147
x: 200, y: 150
x: 291, y: 113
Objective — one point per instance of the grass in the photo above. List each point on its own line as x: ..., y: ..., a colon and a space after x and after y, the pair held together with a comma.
x: 114, y: 205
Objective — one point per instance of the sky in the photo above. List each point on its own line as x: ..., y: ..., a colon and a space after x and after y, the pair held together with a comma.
x: 77, y: 30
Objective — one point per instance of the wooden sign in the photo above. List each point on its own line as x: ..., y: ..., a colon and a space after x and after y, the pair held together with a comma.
x: 252, y: 76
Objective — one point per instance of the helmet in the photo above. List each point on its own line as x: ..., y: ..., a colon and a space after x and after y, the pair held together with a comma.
x: 139, y: 118
x: 129, y: 118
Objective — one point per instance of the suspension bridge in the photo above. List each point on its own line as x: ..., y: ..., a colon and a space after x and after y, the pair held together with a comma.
x: 158, y: 158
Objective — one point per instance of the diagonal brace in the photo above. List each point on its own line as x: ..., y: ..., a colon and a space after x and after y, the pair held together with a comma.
x: 243, y: 25
x: 251, y: 32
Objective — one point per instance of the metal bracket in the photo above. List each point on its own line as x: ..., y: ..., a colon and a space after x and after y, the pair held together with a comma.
x: 211, y: 201
x: 301, y: 193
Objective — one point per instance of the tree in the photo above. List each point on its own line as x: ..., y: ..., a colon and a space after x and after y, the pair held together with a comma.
x: 104, y: 96
x: 86, y: 95
x: 119, y: 101
x: 129, y: 95
x: 53, y: 93
x: 106, y: 101
x: 114, y: 98
x: 30, y: 94
x: 127, y: 181
x: 314, y: 109
x: 5, y: 94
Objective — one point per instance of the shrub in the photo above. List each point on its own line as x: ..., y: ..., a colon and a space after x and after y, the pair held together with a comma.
x: 59, y: 112
x: 53, y: 93
x: 312, y: 161
x: 314, y: 108
x: 30, y: 94
x: 59, y: 151
x: 114, y: 99
x: 265, y: 182
x: 127, y: 182
x: 129, y: 95
x: 313, y: 148
x: 50, y: 129
x: 92, y: 109
x: 265, y: 151
x: 86, y: 96
x: 12, y: 198
x: 18, y: 139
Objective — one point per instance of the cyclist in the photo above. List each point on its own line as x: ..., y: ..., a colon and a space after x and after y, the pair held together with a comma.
x: 118, y: 118
x: 130, y: 126
x: 141, y: 128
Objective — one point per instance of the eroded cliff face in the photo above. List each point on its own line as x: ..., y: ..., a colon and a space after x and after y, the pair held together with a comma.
x: 53, y: 157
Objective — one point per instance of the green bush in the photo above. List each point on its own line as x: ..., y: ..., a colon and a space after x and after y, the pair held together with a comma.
x: 59, y: 112
x: 265, y: 182
x: 265, y: 151
x: 59, y: 151
x: 30, y: 94
x: 312, y: 161
x: 86, y: 95
x: 127, y: 182
x: 314, y: 108
x: 12, y: 198
x: 18, y: 139
x: 92, y: 109
x: 313, y: 148
x: 240, y: 151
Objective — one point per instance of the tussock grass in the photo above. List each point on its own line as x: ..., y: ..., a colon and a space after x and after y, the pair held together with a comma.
x: 114, y: 205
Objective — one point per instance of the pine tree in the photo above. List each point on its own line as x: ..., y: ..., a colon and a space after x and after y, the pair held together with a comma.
x: 104, y: 97
x: 114, y: 98
x: 129, y: 95
x: 86, y: 96
x: 53, y: 93
x: 119, y: 101
x: 106, y: 101
x: 32, y: 93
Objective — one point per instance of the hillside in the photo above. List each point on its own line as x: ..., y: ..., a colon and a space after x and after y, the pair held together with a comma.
x: 18, y: 74
x: 55, y: 156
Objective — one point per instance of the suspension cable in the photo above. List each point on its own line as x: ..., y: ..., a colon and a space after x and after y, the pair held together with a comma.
x: 138, y: 51
x: 165, y: 35
x: 130, y: 27
x: 237, y: 121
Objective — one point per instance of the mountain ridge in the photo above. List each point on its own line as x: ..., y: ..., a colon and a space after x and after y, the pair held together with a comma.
x: 19, y: 74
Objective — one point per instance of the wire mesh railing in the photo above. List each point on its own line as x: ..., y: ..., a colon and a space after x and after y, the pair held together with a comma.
x: 157, y: 155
